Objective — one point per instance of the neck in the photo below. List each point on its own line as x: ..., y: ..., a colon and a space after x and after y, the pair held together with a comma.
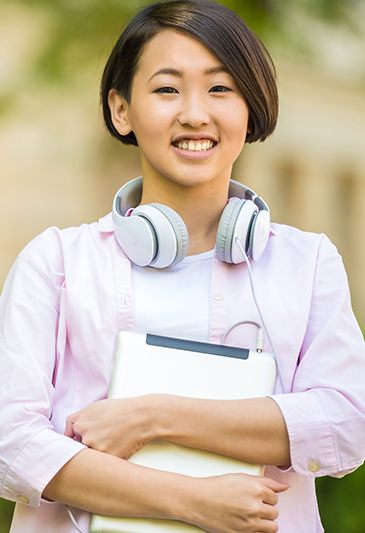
x: 199, y: 206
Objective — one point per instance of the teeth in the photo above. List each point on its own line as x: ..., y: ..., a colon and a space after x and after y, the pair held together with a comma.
x: 198, y: 147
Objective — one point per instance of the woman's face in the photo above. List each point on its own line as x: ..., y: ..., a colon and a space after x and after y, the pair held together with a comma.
x: 186, y: 112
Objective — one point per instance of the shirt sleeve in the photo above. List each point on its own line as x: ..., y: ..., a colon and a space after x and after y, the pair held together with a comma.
x: 325, y: 410
x: 31, y: 451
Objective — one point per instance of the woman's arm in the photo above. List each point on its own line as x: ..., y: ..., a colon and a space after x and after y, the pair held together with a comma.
x: 252, y: 430
x: 106, y: 484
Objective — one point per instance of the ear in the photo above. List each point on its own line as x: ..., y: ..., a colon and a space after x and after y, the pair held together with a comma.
x: 118, y: 111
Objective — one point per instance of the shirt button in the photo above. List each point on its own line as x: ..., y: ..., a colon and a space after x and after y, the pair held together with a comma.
x: 314, y: 467
x: 217, y: 296
x: 23, y: 499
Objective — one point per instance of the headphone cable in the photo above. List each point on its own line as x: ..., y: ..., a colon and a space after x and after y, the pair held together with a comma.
x: 73, y: 519
x: 238, y: 241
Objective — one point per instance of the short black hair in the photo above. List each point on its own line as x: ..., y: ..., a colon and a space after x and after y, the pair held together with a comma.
x: 218, y: 28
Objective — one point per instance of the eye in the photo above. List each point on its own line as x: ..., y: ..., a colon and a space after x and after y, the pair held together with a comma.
x: 220, y: 89
x: 168, y: 90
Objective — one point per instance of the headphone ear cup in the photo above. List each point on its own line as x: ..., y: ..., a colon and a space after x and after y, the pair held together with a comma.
x: 235, y: 222
x: 137, y: 238
x: 181, y: 235
x: 224, y: 234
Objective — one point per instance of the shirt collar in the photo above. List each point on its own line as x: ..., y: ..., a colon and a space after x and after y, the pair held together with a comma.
x: 106, y: 224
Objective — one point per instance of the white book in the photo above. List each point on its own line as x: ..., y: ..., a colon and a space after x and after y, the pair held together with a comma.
x: 147, y: 364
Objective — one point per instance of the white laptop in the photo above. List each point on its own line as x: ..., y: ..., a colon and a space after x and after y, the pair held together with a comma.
x: 146, y: 364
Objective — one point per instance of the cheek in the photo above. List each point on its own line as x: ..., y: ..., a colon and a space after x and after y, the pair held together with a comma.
x: 149, y: 126
x: 237, y: 122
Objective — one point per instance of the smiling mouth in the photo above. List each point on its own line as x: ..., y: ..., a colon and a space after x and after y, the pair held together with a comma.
x: 202, y: 145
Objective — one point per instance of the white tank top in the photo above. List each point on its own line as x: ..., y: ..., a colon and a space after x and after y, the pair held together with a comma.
x: 174, y: 301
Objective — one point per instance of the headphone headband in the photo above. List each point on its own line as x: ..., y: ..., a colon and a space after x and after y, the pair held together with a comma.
x: 238, y: 190
x: 131, y: 193
x: 128, y: 196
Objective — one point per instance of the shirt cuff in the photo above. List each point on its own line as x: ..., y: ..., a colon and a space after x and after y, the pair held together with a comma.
x: 312, y: 447
x: 37, y: 463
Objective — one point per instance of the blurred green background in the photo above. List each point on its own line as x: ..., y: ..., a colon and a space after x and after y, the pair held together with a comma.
x: 58, y: 166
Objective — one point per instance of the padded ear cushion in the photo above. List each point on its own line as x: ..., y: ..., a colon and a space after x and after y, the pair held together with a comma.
x: 181, y: 232
x: 259, y: 234
x: 226, y: 229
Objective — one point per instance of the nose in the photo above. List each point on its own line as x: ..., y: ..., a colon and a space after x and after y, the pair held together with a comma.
x: 193, y: 112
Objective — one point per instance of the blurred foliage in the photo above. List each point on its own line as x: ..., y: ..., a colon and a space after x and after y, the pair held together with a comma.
x: 79, y: 31
x: 341, y: 502
x: 6, y: 512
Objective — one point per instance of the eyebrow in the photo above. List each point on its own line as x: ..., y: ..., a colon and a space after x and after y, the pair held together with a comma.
x: 179, y: 74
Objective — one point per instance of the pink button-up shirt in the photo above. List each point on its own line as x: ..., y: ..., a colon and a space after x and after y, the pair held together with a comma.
x: 70, y: 292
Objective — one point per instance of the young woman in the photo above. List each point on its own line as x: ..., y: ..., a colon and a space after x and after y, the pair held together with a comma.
x: 190, y: 84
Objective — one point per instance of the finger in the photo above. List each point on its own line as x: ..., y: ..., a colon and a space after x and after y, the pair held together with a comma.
x: 70, y: 420
x: 269, y: 512
x: 269, y: 497
x: 276, y: 486
x: 69, y: 431
x: 78, y: 435
x: 267, y: 526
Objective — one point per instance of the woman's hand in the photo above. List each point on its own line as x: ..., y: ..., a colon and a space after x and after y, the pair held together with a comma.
x: 236, y: 503
x: 118, y: 427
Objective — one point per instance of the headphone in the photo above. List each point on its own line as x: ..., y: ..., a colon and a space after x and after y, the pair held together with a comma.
x: 155, y: 235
